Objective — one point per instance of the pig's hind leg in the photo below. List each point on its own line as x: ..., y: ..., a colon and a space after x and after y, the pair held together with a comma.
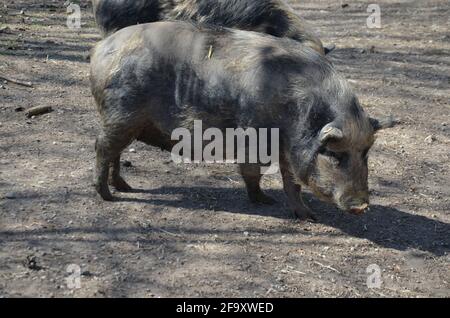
x: 109, y: 144
x: 251, y: 173
x: 115, y: 179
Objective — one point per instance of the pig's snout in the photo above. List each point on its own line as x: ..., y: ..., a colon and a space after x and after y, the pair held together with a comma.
x: 357, y: 205
x: 359, y: 210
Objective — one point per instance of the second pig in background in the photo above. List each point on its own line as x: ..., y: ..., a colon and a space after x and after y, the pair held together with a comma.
x: 274, y: 17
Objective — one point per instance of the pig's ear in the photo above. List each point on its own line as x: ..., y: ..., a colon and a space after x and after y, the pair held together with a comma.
x: 330, y: 132
x: 383, y: 123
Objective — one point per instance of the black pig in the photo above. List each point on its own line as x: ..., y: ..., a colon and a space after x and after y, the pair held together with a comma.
x: 150, y: 79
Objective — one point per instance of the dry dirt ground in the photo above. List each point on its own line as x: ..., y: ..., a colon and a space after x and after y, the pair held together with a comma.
x: 190, y: 230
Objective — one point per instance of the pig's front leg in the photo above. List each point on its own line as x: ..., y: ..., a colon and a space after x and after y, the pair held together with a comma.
x: 294, y: 194
x: 251, y: 173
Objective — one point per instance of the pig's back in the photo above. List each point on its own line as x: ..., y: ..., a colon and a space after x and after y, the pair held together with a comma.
x: 177, y: 65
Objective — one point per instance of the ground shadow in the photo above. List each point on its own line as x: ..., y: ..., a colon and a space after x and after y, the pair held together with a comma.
x: 390, y: 228
x: 233, y: 200
x: 384, y: 226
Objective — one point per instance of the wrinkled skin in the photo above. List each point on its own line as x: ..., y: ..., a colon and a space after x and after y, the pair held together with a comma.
x: 274, y: 17
x: 150, y: 79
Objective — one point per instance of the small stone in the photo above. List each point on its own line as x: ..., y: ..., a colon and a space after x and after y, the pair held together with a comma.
x: 31, y: 263
x: 132, y: 150
x: 246, y: 234
x: 87, y: 274
x: 11, y: 196
x: 430, y: 139
x: 127, y: 164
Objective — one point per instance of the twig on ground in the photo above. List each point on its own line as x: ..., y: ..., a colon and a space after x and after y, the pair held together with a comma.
x: 15, y: 81
x: 327, y: 266
x: 233, y: 181
x: 167, y: 232
x: 38, y: 110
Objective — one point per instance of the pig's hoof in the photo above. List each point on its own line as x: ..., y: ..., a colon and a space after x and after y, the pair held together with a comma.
x: 106, y: 196
x: 312, y: 217
x: 305, y: 214
x: 262, y: 198
x: 104, y: 193
x: 120, y: 185
x: 330, y: 48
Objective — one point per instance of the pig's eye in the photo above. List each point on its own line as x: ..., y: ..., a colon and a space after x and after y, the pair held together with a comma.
x: 336, y: 157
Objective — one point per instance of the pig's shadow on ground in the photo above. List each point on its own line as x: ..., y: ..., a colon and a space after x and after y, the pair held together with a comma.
x: 385, y: 226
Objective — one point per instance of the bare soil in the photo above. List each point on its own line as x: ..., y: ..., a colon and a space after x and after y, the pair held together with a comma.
x: 189, y: 230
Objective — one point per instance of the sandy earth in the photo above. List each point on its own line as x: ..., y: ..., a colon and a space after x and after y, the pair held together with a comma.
x: 190, y: 230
